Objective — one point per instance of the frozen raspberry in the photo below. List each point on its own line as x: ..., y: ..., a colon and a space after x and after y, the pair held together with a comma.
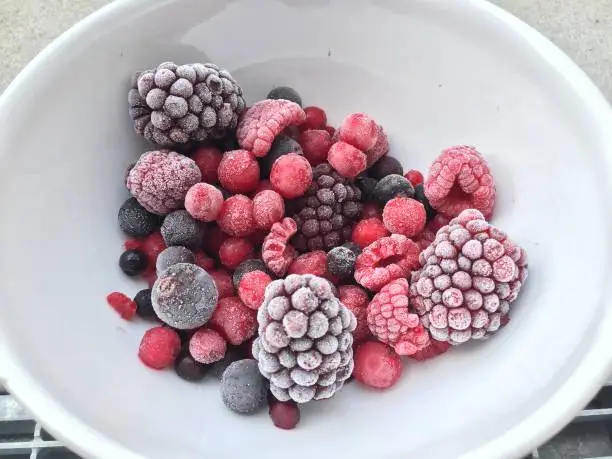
x: 213, y: 240
x: 315, y: 118
x: 204, y: 202
x: 356, y: 300
x: 387, y: 165
x: 380, y: 148
x: 291, y: 175
x: 268, y: 208
x: 346, y: 159
x: 386, y: 259
x: 371, y: 210
x: 460, y: 179
x: 433, y: 349
x: 252, y: 288
x: 376, y: 365
x: 236, y: 217
x: 284, y: 415
x: 223, y: 281
x: 236, y: 322
x: 314, y: 262
x: 239, y: 171
x: 160, y: 180
x: 208, y: 159
x: 123, y: 304
x: 159, y: 347
x: 132, y: 244
x: 316, y: 145
x: 152, y: 246
x: 360, y: 131
x: 207, y: 346
x: 234, y: 251
x: 414, y: 177
x: 203, y: 260
x: 404, y: 216
x: 368, y: 231
x: 263, y: 121
x: 276, y: 251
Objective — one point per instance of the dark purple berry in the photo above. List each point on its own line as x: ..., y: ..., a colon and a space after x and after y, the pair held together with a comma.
x: 188, y: 369
x: 136, y: 221
x: 180, y: 228
x: 419, y: 195
x: 133, y: 262
x: 386, y: 165
x: 341, y: 262
x: 353, y: 248
x: 285, y: 92
x: 390, y: 187
x: 366, y: 185
x: 282, y: 145
x: 144, y: 307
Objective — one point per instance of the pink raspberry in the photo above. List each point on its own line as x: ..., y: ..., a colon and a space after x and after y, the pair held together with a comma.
x: 268, y: 208
x: 234, y: 251
x: 208, y: 159
x: 414, y: 177
x: 368, y: 231
x: 252, y: 288
x: 239, y: 171
x: 315, y: 118
x: 315, y: 145
x: 203, y: 260
x: 460, y: 179
x: 291, y: 175
x: 380, y: 148
x: 159, y: 347
x: 223, y: 282
x: 404, y: 216
x: 207, y: 346
x: 346, y: 159
x: 261, y: 123
x: 234, y: 320
x: 236, y: 216
x: 204, y: 202
x: 160, y: 180
x: 276, y: 251
x: 359, y: 130
x: 386, y: 259
x: 356, y: 300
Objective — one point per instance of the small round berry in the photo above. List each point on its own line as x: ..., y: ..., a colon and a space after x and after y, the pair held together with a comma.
x: 285, y: 92
x: 223, y: 281
x: 252, y: 288
x: 348, y: 160
x: 404, y: 216
x: 243, y: 389
x: 144, y: 307
x: 315, y: 118
x: 419, y: 195
x: 341, y: 262
x: 360, y: 131
x: 387, y: 165
x: 414, y: 177
x: 133, y: 262
x: 239, y: 171
x: 315, y: 144
x: 291, y: 175
x: 247, y: 266
x: 234, y: 251
x: 391, y: 186
x: 203, y: 202
x: 180, y: 228
x: 377, y: 365
x: 268, y: 208
x: 281, y: 146
x: 352, y: 247
x: 136, y: 221
x: 368, y: 231
x: 314, y: 262
x: 366, y: 185
x: 236, y: 216
x: 159, y: 347
x: 203, y: 261
x: 188, y: 369
x: 122, y: 304
x: 284, y: 415
x: 208, y: 159
x: 207, y: 346
x: 236, y: 322
x: 173, y: 255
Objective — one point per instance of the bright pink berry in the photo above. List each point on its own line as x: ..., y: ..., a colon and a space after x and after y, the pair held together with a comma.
x: 368, y: 231
x: 234, y: 320
x: 356, y: 299
x: 213, y: 240
x: 252, y: 288
x: 123, y: 304
x: 414, y: 177
x: 239, y: 171
x: 315, y: 118
x: 203, y: 202
x: 152, y: 246
x: 404, y: 216
x: 315, y: 145
x: 159, y: 347
x: 369, y: 210
x: 268, y: 208
x: 223, y: 281
x: 208, y: 159
x: 377, y: 365
x: 380, y: 148
x: 234, y: 251
x: 291, y: 175
x: 360, y: 131
x: 203, y: 260
x: 276, y: 251
x: 284, y: 415
x: 236, y: 216
x: 346, y: 159
x: 207, y: 346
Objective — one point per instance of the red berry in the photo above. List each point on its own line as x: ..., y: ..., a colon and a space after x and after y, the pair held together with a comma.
x: 236, y: 217
x: 284, y: 415
x: 369, y: 210
x: 346, y: 159
x: 208, y: 159
x: 414, y: 177
x: 315, y: 145
x: 123, y: 304
x: 263, y: 185
x: 380, y: 148
x: 315, y: 118
x: 203, y: 260
x: 434, y: 349
x: 276, y: 252
x: 223, y: 281
x: 132, y: 244
x: 236, y: 322
x: 360, y: 131
x: 213, y: 240
x: 234, y: 251
x: 331, y: 130
x: 404, y: 216
x: 252, y: 288
x: 268, y: 208
x: 377, y: 365
x: 356, y: 299
x: 207, y: 346
x: 239, y: 171
x: 291, y: 175
x: 314, y: 262
x: 368, y: 231
x: 152, y: 246
x: 150, y: 276
x: 203, y: 202
x: 159, y: 347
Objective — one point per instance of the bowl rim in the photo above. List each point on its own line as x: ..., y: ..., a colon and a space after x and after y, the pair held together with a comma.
x: 549, y: 418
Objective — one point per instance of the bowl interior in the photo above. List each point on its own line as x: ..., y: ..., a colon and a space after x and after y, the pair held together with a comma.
x: 434, y: 74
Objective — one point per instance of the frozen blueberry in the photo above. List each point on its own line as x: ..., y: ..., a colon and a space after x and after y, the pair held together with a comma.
x: 144, y: 307
x: 246, y: 267
x: 419, y: 195
x: 173, y: 255
x: 341, y: 262
x: 180, y: 228
x: 281, y: 146
x: 391, y: 186
x: 366, y: 185
x: 188, y: 369
x: 285, y: 92
x: 353, y: 248
x: 231, y: 355
x: 184, y: 296
x: 136, y: 221
x: 133, y: 262
x: 243, y: 389
x: 386, y: 165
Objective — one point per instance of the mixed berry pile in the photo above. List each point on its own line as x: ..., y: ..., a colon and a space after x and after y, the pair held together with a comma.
x: 287, y: 257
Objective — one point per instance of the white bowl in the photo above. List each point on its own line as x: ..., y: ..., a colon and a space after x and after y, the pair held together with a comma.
x: 434, y: 73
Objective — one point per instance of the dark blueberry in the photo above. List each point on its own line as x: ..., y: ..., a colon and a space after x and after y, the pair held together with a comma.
x: 133, y: 262
x: 341, y: 262
x: 144, y: 308
x: 243, y: 389
x: 285, y: 92
x: 180, y: 228
x: 246, y: 267
x: 386, y: 165
x: 135, y: 221
x: 188, y: 369
x: 281, y: 146
x: 353, y: 248
x: 231, y: 355
x: 391, y: 186
x: 366, y: 185
x: 419, y: 195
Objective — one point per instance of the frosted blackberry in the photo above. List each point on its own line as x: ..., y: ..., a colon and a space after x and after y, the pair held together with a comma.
x: 285, y: 92
x: 387, y: 165
x: 180, y: 228
x: 133, y: 262
x: 326, y: 213
x: 390, y: 187
x: 173, y: 255
x: 281, y: 146
x: 136, y: 221
x: 144, y: 307
x: 243, y: 389
x: 341, y: 262
x: 174, y: 105
x: 419, y: 195
x: 248, y: 266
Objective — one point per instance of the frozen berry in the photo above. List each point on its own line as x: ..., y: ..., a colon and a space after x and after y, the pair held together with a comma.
x: 368, y: 231
x: 331, y: 130
x: 380, y: 148
x: 314, y: 263
x: 360, y: 131
x: 404, y: 216
x: 433, y: 349
x: 285, y: 92
x: 123, y: 304
x: 356, y: 299
x: 281, y: 146
x: 377, y: 365
x: 159, y: 347
x: 180, y: 228
x: 348, y: 160
x: 223, y: 281
x: 236, y: 322
x: 243, y: 389
x: 173, y: 255
x: 370, y: 210
x: 252, y: 288
x: 387, y: 165
x: 341, y: 262
x: 208, y: 159
x: 236, y: 217
x: 207, y: 346
x: 239, y: 171
x: 133, y: 262
x: 213, y: 240
x: 316, y: 145
x: 152, y: 246
x: 352, y: 247
x: 231, y: 355
x: 315, y: 119
x: 366, y: 185
x: 414, y: 177
x: 144, y: 307
x: 391, y: 186
x: 284, y: 415
x: 136, y: 221
x: 246, y: 267
x: 188, y: 369
x: 268, y: 208
x: 203, y: 260
x: 234, y: 251
x: 203, y: 202
x: 291, y: 175
x: 419, y: 195
x: 276, y: 251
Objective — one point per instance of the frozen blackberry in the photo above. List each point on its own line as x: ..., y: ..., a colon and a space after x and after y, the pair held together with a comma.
x: 352, y: 247
x: 281, y: 146
x: 231, y: 355
x: 326, y: 213
x: 366, y: 185
x: 341, y: 262
x: 285, y: 92
x: 173, y: 255
x: 144, y: 307
x: 387, y: 165
x: 419, y: 195
x: 390, y: 187
x: 247, y: 266
x: 180, y: 228
x: 243, y: 389
x: 188, y: 369
x: 133, y: 262
x: 136, y: 221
